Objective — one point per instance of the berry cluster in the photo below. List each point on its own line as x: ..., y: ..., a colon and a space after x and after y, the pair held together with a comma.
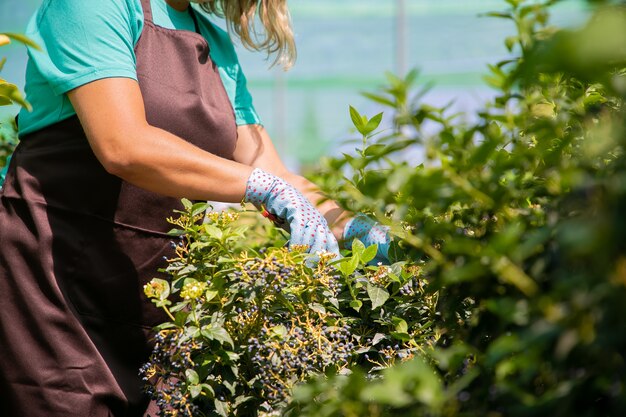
x: 163, y: 375
x: 286, y: 341
x: 284, y: 354
x: 411, y: 288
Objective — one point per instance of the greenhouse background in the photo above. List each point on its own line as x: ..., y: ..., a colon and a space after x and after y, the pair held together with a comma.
x: 345, y: 48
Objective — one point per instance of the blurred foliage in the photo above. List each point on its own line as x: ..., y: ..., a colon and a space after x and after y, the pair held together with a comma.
x: 10, y: 93
x: 8, y: 140
x: 518, y: 218
x: 250, y: 319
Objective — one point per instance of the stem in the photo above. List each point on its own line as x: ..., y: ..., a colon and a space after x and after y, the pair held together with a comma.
x: 195, y: 314
x: 167, y: 311
x: 362, y: 170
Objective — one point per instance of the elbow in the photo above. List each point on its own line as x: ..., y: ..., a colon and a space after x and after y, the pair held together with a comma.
x: 118, y: 166
x: 116, y: 159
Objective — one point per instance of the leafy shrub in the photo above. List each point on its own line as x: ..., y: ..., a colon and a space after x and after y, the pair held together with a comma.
x: 518, y: 219
x: 248, y: 323
x: 506, y: 296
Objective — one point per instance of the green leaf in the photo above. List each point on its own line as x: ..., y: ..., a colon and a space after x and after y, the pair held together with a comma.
x: 221, y: 408
x: 388, y: 392
x: 356, y: 304
x: 356, y: 119
x: 192, y: 377
x: 176, y: 232
x: 369, y: 253
x: 401, y: 325
x: 513, y: 274
x: 347, y: 265
x: 405, y: 337
x: 23, y: 39
x: 379, y: 99
x: 374, y: 150
x: 208, y: 390
x: 163, y: 285
x: 378, y: 337
x: 499, y: 15
x: 279, y: 331
x: 13, y: 93
x: 195, y: 390
x: 218, y: 333
x: 164, y: 326
x: 372, y: 124
x: 213, y: 231
x: 510, y: 42
x: 210, y: 294
x: 186, y: 203
x: 318, y: 308
x: 377, y: 295
x: 191, y: 332
x: 199, y: 208
x: 484, y: 151
x: 357, y: 248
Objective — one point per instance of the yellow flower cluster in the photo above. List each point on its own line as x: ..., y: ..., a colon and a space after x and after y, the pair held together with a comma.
x: 193, y: 290
x: 154, y: 289
x: 380, y: 276
x: 222, y: 218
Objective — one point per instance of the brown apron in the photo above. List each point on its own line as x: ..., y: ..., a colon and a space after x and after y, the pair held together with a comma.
x: 77, y: 244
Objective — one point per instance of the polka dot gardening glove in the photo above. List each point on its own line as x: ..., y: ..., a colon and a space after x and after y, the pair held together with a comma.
x: 291, y: 211
x: 369, y: 232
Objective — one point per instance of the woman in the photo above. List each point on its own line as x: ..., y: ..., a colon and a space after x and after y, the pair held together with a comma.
x: 137, y: 103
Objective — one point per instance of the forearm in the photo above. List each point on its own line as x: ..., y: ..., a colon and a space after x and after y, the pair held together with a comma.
x: 166, y: 164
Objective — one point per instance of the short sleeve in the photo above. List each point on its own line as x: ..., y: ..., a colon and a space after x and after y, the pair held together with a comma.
x: 245, y: 112
x: 85, y: 40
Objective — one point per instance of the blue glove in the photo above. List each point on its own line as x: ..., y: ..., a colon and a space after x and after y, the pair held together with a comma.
x: 369, y: 232
x: 291, y: 211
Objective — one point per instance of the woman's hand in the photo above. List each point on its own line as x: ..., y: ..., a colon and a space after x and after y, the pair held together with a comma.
x: 255, y: 148
x: 306, y: 225
x: 369, y: 232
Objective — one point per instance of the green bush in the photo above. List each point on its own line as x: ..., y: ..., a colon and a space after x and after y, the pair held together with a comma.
x: 249, y: 320
x: 507, y: 292
x: 519, y: 220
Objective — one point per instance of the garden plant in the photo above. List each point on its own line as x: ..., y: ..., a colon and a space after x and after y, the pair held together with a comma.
x: 506, y: 291
x: 506, y: 294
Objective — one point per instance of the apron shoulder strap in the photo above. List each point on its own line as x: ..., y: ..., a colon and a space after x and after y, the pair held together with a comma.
x: 195, y: 19
x: 147, y: 10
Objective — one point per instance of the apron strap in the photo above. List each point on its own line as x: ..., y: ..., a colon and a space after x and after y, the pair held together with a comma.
x: 147, y: 10
x: 194, y: 18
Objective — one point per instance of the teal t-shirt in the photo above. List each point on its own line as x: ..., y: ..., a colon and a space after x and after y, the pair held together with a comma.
x: 84, y: 41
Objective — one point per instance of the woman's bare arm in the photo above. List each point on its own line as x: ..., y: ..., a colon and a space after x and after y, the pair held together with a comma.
x: 112, y: 113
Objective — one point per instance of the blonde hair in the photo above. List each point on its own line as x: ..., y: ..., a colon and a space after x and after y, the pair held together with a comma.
x: 277, y: 36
